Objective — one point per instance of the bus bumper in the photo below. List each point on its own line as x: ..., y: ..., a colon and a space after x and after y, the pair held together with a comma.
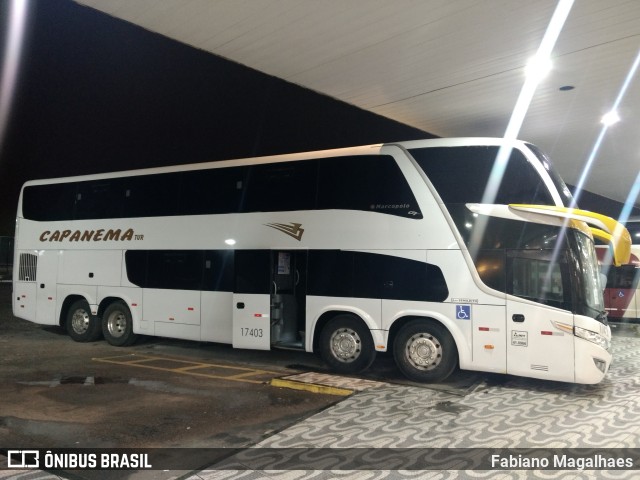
x: 592, y: 362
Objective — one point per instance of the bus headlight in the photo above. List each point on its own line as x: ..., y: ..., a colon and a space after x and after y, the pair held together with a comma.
x: 592, y: 337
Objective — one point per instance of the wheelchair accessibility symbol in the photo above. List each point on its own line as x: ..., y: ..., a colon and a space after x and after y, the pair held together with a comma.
x: 463, y: 312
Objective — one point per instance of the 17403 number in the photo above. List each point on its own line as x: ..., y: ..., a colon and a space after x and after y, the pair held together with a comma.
x: 251, y: 332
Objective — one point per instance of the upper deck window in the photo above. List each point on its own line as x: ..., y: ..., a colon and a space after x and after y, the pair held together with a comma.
x: 371, y: 183
x: 461, y: 174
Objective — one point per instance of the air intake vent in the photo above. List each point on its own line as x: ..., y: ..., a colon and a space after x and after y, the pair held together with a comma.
x: 28, y: 267
x: 542, y: 368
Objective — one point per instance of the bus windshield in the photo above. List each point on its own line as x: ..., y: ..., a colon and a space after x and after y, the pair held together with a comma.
x: 461, y: 174
x: 565, y: 193
x: 542, y: 263
x: 587, y: 274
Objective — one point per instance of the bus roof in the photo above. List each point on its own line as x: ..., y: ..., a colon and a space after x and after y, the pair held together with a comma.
x: 358, y: 150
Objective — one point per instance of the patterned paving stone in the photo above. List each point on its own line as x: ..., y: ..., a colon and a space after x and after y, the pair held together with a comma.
x: 503, y: 412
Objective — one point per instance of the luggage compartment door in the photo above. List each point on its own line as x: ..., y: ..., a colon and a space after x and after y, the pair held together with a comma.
x: 47, y: 281
x: 251, y: 300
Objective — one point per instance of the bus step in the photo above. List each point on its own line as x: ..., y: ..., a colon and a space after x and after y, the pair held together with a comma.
x: 293, y: 345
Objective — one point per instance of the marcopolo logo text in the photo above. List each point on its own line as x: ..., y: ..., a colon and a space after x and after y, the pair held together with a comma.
x: 99, y: 235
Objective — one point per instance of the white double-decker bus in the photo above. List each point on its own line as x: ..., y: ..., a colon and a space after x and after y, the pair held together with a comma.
x: 345, y: 252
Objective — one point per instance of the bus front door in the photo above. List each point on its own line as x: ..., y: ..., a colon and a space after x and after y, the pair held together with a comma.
x: 288, y: 298
x: 269, y: 299
x: 539, y: 339
x: 252, y: 300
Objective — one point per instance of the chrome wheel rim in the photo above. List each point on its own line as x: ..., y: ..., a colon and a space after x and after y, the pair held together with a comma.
x: 80, y: 321
x: 117, y: 324
x: 424, y: 351
x: 346, y: 345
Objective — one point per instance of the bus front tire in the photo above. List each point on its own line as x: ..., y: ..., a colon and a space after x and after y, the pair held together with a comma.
x: 81, y: 325
x: 425, y: 351
x: 346, y: 345
x: 117, y: 325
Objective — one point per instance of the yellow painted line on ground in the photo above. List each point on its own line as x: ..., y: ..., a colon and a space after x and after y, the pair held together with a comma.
x: 328, y: 383
x: 191, y: 367
x: 253, y: 372
x: 130, y: 356
x: 237, y: 374
x: 310, y: 387
x: 142, y: 361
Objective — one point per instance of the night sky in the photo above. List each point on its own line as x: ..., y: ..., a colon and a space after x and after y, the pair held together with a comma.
x: 97, y: 94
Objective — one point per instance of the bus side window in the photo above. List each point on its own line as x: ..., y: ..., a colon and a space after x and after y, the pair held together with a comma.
x: 540, y: 280
x: 136, y: 266
x: 490, y: 265
x: 99, y: 199
x: 175, y: 269
x: 252, y: 270
x: 151, y: 195
x: 372, y: 183
x: 49, y: 202
x: 212, y: 191
x: 281, y: 187
x: 624, y: 277
x: 218, y: 271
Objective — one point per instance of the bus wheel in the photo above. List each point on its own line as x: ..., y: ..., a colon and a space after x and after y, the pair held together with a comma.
x: 81, y: 325
x: 117, y: 325
x: 425, y: 351
x: 346, y: 345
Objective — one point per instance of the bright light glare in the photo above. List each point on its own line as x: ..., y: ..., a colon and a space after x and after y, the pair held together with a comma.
x: 610, y: 118
x: 230, y: 241
x: 629, y: 203
x: 596, y: 147
x: 538, y: 68
x: 541, y: 62
x: 539, y: 65
x: 9, y: 69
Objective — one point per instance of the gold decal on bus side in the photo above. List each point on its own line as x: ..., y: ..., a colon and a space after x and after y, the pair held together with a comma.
x: 100, y: 235
x: 293, y: 230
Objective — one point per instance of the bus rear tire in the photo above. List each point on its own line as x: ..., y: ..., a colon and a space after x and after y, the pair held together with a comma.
x: 346, y: 345
x: 117, y: 325
x: 81, y: 325
x: 425, y: 351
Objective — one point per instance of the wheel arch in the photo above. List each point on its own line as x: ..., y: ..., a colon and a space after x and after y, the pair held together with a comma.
x: 66, y: 305
x: 326, y: 316
x: 131, y: 297
x: 399, y: 323
x: 346, y: 343
x: 106, y: 301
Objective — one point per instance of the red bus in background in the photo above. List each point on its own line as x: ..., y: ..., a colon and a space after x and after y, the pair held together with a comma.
x: 621, y: 296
